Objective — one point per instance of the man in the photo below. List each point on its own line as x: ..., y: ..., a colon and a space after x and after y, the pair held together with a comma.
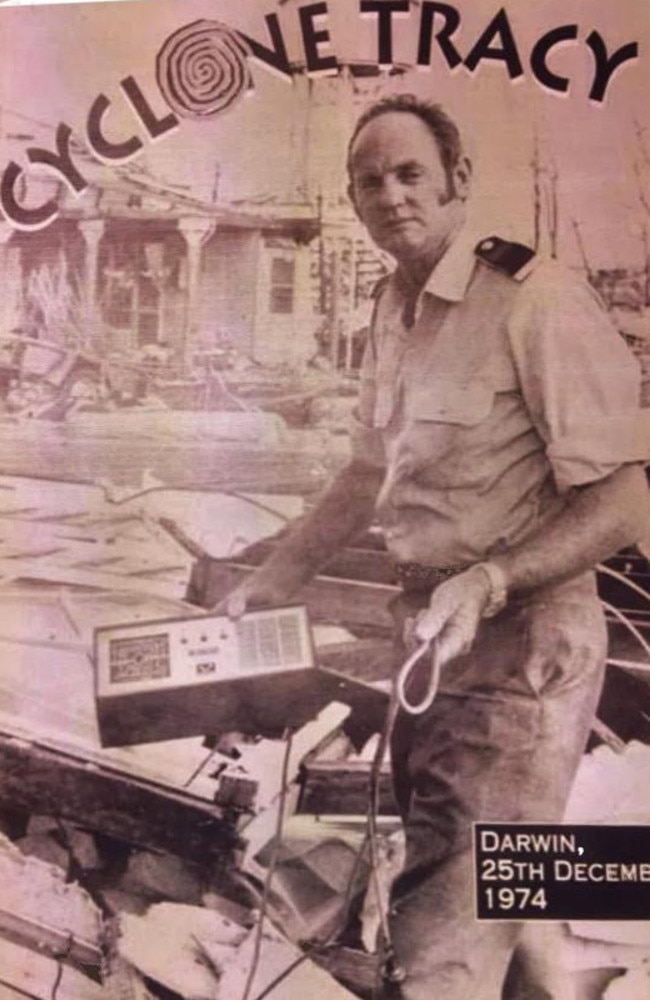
x: 498, y: 443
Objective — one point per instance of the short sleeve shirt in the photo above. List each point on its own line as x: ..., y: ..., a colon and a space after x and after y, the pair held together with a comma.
x: 503, y: 395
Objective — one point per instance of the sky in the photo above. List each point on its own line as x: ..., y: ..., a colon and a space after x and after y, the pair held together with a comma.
x: 286, y: 137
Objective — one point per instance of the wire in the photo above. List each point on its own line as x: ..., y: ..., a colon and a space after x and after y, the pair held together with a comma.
x: 392, y: 970
x: 404, y: 676
x: 398, y: 699
x: 369, y: 840
x: 57, y: 981
x: 601, y: 568
x: 279, y: 825
x: 624, y: 620
x: 197, y: 770
x: 61, y: 957
x: 629, y: 626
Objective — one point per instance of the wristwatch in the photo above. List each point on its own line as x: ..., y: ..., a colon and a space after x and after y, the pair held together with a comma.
x: 498, y: 595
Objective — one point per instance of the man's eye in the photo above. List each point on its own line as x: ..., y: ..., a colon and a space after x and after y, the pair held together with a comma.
x: 410, y: 175
x: 369, y: 183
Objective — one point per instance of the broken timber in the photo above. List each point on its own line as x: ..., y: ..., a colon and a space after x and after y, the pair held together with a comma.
x: 25, y: 973
x: 36, y: 777
x: 338, y: 788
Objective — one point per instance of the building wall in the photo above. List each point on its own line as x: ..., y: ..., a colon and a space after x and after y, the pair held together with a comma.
x: 227, y: 292
x: 285, y: 322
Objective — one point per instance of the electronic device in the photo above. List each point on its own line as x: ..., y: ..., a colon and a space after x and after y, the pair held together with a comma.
x: 180, y: 677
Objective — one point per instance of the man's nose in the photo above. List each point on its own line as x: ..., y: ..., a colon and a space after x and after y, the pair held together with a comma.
x: 392, y: 192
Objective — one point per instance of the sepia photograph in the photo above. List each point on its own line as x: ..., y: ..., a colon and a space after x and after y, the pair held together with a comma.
x: 324, y: 506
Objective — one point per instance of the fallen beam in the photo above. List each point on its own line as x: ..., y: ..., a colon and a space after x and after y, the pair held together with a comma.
x: 35, y: 569
x: 25, y: 973
x: 340, y: 788
x: 36, y: 778
x: 49, y: 940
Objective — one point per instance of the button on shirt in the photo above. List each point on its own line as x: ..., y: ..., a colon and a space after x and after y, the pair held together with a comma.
x: 485, y: 410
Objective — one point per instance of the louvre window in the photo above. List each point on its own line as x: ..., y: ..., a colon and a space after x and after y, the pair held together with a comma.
x: 282, y: 285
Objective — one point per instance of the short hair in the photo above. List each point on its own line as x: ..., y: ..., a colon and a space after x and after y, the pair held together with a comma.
x: 442, y: 127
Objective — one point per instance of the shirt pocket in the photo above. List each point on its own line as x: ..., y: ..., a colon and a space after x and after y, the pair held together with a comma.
x: 448, y: 401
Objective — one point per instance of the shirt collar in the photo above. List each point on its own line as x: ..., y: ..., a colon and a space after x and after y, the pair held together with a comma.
x: 452, y: 274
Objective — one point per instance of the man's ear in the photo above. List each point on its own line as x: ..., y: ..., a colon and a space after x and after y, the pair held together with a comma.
x: 462, y: 178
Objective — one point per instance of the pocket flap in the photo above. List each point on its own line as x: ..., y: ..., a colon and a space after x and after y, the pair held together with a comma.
x: 451, y: 402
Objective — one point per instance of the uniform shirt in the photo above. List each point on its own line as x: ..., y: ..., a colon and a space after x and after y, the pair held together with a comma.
x: 503, y: 395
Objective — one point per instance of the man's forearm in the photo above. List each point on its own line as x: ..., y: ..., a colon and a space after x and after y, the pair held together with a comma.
x: 597, y: 521
x: 344, y: 511
x: 600, y: 519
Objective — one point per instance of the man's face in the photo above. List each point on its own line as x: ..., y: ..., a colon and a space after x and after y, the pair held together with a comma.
x: 400, y: 189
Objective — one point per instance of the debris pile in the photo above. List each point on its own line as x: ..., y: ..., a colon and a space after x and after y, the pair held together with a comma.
x: 106, y: 911
x: 224, y: 868
x: 612, y: 788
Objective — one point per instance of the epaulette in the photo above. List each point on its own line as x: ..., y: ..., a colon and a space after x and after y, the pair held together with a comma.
x: 515, y: 259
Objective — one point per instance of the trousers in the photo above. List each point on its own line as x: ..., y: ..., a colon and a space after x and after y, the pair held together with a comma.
x: 501, y: 742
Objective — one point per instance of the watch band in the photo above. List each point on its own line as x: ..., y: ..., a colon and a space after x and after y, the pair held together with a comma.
x: 498, y: 588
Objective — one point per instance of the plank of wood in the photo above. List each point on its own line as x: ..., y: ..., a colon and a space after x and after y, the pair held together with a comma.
x: 35, y: 618
x: 36, y: 778
x: 25, y: 973
x: 178, y: 765
x: 35, y: 569
x: 182, y: 537
x: 341, y: 788
x: 49, y: 940
x: 139, y: 545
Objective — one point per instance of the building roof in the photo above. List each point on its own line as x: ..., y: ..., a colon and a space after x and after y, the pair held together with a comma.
x: 132, y: 191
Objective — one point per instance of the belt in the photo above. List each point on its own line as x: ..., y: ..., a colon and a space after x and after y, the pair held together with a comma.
x: 413, y: 577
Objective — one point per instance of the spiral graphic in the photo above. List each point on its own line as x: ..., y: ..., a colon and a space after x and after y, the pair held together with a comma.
x: 202, y: 69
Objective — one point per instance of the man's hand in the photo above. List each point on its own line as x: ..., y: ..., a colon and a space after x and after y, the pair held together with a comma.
x: 256, y: 591
x: 454, y: 613
x: 345, y: 509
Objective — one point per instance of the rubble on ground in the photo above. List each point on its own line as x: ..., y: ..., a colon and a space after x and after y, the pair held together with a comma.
x: 102, y: 908
x: 622, y: 944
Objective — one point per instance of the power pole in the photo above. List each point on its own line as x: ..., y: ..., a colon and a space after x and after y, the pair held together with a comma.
x: 583, y: 251
x: 537, y: 194
x: 553, y: 210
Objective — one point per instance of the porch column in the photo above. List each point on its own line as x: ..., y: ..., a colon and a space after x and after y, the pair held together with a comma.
x: 92, y: 231
x: 10, y: 305
x: 304, y: 325
x: 12, y: 292
x: 196, y: 230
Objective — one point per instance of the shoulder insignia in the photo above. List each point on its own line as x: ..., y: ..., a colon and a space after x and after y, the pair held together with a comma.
x: 515, y: 259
